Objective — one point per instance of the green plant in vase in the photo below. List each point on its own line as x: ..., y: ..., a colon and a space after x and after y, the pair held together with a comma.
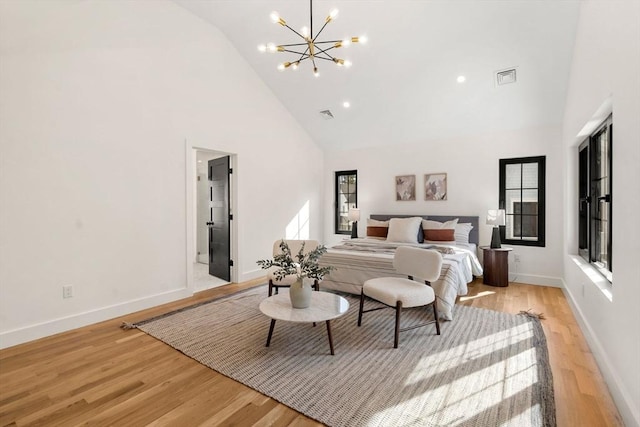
x: 302, y: 265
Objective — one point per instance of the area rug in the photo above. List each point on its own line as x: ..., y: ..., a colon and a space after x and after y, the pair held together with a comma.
x: 487, y: 368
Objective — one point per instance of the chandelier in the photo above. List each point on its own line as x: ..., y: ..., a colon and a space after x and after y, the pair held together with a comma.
x: 310, y: 48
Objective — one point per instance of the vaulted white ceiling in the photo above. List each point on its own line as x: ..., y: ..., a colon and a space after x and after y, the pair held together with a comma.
x: 402, y: 86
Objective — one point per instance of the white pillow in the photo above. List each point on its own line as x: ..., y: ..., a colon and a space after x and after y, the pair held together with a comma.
x: 376, y: 223
x: 461, y: 234
x: 404, y: 230
x: 435, y: 225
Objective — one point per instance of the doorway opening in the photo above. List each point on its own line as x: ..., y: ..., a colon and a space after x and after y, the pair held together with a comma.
x: 209, y: 218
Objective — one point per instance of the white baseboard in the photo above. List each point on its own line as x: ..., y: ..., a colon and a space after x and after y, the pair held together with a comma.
x: 74, y: 321
x: 619, y: 393
x: 252, y: 274
x: 532, y: 279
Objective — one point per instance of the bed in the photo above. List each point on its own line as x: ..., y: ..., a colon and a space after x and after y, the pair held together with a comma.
x: 357, y: 260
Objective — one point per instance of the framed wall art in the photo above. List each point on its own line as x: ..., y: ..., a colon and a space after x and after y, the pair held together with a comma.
x: 405, y: 188
x: 435, y: 186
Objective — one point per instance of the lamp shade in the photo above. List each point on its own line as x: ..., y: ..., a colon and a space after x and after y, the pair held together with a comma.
x: 496, y: 217
x: 354, y: 214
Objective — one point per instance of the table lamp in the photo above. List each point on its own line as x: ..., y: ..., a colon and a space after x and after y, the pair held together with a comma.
x: 496, y: 217
x: 354, y: 216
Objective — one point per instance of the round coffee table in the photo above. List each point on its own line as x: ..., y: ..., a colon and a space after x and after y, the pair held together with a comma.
x: 324, y: 307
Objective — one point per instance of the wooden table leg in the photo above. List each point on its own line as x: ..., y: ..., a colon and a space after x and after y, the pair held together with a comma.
x: 273, y: 323
x: 330, y: 338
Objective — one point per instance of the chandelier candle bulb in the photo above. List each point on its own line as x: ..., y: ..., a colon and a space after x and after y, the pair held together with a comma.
x: 277, y: 19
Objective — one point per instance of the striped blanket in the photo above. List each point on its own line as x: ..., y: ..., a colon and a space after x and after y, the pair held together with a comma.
x: 359, y: 260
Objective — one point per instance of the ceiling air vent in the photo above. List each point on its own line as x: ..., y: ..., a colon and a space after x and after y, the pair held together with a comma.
x: 507, y: 76
x: 326, y: 114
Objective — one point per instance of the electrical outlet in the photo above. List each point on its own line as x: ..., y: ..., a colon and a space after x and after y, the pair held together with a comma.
x: 516, y: 257
x: 67, y: 291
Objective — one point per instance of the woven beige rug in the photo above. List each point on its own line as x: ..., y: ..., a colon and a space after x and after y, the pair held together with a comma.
x: 486, y: 369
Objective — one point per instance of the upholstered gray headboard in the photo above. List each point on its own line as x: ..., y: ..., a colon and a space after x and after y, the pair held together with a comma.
x: 473, y: 236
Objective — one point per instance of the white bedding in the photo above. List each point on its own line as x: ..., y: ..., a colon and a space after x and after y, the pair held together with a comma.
x: 358, y: 260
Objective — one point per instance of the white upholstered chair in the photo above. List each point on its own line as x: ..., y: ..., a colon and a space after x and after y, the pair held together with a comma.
x: 399, y: 293
x: 287, y: 281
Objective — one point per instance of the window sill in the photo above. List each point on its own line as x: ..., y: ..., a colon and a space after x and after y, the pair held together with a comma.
x: 594, y: 276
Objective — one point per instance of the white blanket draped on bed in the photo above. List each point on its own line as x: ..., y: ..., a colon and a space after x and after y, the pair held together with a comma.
x: 358, y: 260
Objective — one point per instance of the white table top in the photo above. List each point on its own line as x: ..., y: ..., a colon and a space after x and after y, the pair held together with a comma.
x: 324, y: 306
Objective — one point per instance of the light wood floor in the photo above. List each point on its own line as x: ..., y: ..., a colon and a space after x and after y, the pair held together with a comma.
x: 102, y: 375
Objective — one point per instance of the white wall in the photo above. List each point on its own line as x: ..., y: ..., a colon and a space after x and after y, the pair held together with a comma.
x: 606, y: 65
x: 98, y: 99
x: 472, y: 171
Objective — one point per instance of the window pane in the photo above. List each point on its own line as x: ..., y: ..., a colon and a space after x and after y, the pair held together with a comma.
x: 530, y: 208
x: 510, y: 231
x: 513, y: 173
x: 529, y: 226
x: 602, y: 154
x: 343, y: 222
x: 512, y: 204
x: 530, y: 175
x: 530, y: 201
x: 600, y: 237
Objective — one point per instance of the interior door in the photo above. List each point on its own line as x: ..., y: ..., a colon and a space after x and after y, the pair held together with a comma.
x: 219, y: 219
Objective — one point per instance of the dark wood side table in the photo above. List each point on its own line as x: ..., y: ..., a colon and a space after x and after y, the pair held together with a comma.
x: 496, y: 266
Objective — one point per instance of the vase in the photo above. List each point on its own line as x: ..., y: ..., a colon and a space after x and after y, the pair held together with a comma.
x: 300, y: 294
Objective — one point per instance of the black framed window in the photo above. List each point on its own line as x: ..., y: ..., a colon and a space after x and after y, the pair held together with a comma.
x: 595, y: 203
x: 522, y: 196
x: 346, y: 198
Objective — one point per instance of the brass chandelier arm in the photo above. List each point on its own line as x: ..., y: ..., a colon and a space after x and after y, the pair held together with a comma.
x: 324, y: 50
x: 317, y: 35
x: 318, y: 51
x: 296, y: 52
x: 329, y: 41
x: 300, y: 35
x: 326, y: 59
x: 294, y: 44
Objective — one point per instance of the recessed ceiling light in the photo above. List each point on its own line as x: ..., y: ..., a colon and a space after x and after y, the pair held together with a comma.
x: 346, y: 104
x: 199, y: 161
x: 461, y: 79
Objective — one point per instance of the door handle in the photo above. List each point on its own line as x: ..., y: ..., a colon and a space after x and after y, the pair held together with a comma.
x: 210, y: 223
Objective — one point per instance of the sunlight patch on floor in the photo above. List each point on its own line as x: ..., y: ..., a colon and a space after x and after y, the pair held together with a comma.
x: 464, y: 393
x: 464, y: 353
x: 478, y: 295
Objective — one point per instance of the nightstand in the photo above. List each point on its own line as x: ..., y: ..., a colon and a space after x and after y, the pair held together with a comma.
x: 496, y: 266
